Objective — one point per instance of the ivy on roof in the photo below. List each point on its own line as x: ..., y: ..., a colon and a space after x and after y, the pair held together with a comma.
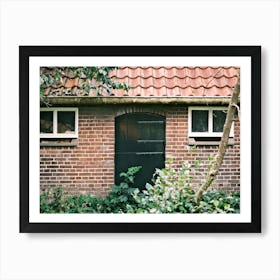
x: 97, y: 78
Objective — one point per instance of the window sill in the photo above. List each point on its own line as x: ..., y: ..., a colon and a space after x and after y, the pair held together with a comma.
x: 207, y: 141
x: 58, y: 142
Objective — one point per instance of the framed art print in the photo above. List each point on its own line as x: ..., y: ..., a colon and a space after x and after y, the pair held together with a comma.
x: 140, y: 138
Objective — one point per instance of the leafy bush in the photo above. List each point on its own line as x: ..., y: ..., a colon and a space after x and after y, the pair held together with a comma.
x: 219, y: 201
x: 171, y: 192
x: 121, y: 195
x: 56, y: 202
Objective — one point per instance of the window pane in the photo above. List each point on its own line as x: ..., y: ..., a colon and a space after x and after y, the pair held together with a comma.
x: 219, y: 118
x: 199, y: 121
x: 65, y: 122
x: 46, y: 122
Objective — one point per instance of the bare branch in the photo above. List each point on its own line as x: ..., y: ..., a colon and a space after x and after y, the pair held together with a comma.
x: 224, y: 142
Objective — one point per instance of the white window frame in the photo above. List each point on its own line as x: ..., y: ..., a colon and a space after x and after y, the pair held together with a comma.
x: 55, y: 134
x: 210, y: 132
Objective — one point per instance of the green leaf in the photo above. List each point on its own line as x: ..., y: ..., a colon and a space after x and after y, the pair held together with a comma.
x: 216, y: 203
x: 195, y: 199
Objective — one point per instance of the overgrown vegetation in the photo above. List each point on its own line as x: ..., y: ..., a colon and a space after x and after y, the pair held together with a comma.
x: 97, y: 78
x: 171, y: 192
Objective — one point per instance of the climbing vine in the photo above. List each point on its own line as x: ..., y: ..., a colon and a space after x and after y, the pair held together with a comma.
x: 97, y: 78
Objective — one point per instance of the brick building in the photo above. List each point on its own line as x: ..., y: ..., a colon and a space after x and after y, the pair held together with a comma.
x: 88, y: 139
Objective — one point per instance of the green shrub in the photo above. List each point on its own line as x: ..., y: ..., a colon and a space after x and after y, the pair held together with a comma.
x: 219, y: 201
x: 122, y: 194
x: 56, y: 202
x: 171, y: 192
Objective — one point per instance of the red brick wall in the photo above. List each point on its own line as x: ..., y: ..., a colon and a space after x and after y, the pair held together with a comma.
x: 89, y: 167
x: 177, y: 147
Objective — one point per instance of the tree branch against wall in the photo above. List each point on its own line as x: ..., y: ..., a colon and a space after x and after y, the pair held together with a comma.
x: 232, y: 108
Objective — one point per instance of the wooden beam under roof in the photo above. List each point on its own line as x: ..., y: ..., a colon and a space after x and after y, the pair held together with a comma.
x: 111, y: 100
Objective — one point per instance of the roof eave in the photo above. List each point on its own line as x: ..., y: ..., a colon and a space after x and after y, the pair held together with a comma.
x: 111, y: 100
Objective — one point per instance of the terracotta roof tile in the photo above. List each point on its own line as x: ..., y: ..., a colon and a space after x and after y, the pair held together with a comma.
x: 153, y: 81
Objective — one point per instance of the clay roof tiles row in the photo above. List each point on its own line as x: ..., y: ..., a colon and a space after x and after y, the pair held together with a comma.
x: 153, y: 81
x: 170, y: 72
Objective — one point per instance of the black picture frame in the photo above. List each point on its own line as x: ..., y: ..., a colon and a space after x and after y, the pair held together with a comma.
x: 254, y: 52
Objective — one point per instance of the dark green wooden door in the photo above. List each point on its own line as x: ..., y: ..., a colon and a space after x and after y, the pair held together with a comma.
x: 139, y: 141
